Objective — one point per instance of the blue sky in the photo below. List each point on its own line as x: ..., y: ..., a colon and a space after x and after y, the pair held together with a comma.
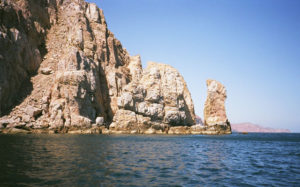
x: 252, y: 47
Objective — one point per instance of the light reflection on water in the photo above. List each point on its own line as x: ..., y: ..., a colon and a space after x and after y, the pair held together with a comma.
x: 99, y: 160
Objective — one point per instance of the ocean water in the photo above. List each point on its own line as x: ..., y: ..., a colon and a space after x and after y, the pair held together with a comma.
x: 196, y: 160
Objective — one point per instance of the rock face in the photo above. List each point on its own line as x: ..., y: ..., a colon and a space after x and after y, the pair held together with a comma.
x: 83, y: 68
x: 63, y: 71
x: 214, y: 111
x: 157, y: 98
x: 23, y: 26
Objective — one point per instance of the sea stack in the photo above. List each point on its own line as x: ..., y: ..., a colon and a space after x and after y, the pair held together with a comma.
x: 215, y: 117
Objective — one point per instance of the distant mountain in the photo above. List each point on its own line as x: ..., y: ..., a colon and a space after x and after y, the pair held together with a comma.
x: 199, y: 120
x: 249, y: 127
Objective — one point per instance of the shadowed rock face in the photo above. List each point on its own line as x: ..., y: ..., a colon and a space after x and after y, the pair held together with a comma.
x: 23, y: 26
x: 214, y: 110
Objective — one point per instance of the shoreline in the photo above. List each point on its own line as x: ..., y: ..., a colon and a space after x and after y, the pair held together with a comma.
x: 177, y: 130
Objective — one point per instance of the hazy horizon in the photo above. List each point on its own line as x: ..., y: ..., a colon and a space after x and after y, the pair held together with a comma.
x: 252, y: 47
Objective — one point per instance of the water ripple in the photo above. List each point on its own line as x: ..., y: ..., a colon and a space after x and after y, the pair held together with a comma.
x: 96, y: 160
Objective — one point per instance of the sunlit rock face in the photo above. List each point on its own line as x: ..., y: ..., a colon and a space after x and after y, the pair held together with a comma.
x: 74, y: 66
x: 63, y: 71
x: 214, y: 110
x: 157, y: 98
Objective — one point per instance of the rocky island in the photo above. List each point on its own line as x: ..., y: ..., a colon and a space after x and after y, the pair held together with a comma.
x: 63, y: 71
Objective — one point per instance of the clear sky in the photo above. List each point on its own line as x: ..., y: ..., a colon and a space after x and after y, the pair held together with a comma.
x: 251, y: 46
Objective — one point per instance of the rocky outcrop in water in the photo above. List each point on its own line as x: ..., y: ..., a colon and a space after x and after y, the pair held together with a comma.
x: 63, y: 71
x: 215, y: 117
x: 156, y: 99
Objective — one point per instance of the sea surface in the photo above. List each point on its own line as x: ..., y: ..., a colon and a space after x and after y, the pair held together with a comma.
x: 142, y: 160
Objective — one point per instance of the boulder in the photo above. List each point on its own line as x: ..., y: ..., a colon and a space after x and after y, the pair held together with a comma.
x: 26, y: 118
x: 99, y: 121
x: 46, y: 71
x: 33, y: 111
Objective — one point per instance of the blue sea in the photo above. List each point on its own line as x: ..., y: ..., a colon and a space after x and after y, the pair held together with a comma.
x: 142, y: 160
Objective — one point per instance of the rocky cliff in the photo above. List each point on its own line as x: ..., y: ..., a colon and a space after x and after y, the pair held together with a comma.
x: 63, y: 71
x: 61, y: 53
x: 23, y: 26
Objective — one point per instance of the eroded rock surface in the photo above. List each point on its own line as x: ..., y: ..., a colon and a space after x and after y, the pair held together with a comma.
x: 157, y: 98
x: 215, y: 117
x: 63, y: 71
x: 83, y: 67
x: 23, y: 26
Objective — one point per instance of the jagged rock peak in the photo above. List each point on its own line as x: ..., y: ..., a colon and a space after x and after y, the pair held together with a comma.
x: 214, y: 110
x: 135, y: 67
